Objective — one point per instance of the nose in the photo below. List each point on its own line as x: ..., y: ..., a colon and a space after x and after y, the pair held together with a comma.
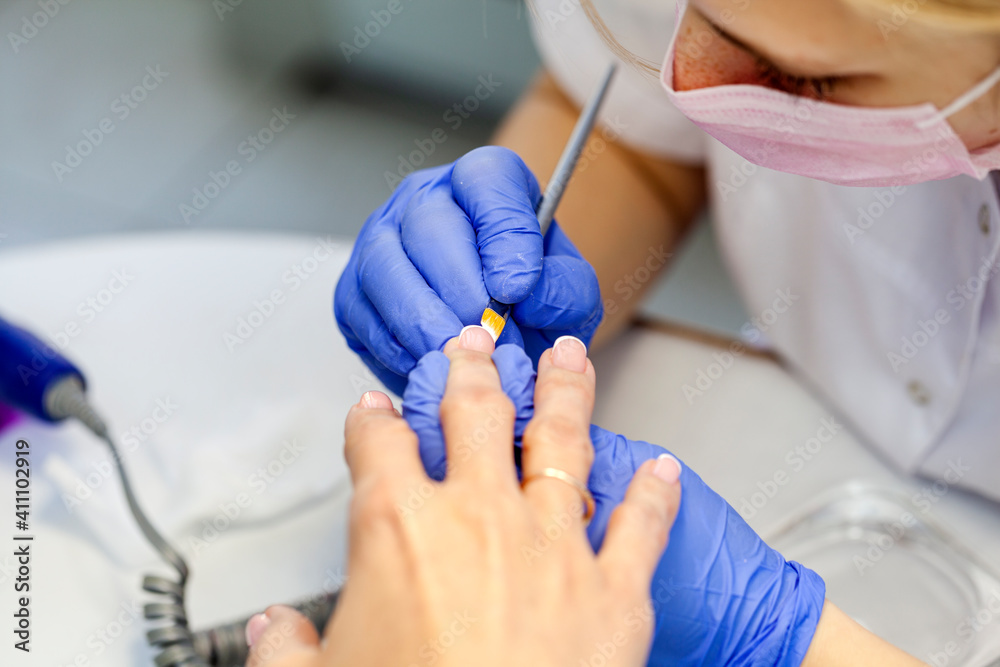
x: 703, y: 58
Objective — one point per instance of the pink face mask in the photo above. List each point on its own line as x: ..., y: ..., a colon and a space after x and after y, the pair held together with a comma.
x: 845, y: 145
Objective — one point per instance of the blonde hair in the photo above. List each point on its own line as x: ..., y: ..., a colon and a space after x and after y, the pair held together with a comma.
x: 612, y: 42
x: 966, y: 15
x: 608, y: 37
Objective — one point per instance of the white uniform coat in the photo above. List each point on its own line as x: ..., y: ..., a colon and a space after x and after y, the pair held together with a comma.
x: 889, y: 297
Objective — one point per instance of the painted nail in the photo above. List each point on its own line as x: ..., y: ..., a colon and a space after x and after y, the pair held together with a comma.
x: 256, y: 627
x: 667, y: 468
x: 474, y: 337
x: 570, y: 353
x: 375, y: 399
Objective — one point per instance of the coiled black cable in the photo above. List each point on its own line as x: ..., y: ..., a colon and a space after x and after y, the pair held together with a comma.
x: 172, y: 636
x: 223, y: 646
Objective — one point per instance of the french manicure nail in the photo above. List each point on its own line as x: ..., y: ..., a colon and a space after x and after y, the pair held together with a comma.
x: 256, y: 627
x: 367, y: 401
x: 474, y: 337
x: 667, y: 468
x: 371, y: 399
x: 570, y: 353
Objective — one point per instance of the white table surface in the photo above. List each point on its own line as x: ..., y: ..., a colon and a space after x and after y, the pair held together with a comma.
x: 163, y: 335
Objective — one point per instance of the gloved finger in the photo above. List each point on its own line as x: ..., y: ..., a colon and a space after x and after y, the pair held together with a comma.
x: 425, y: 389
x: 378, y: 444
x: 512, y: 335
x: 364, y: 328
x: 422, y: 410
x: 557, y: 243
x: 616, y: 460
x: 439, y: 239
x: 477, y: 418
x: 390, y: 379
x: 411, y: 311
x: 640, y: 526
x: 558, y: 436
x: 567, y: 298
x: 517, y: 376
x: 499, y: 193
x: 282, y: 635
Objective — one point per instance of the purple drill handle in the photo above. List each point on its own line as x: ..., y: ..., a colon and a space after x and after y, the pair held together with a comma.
x: 28, y: 367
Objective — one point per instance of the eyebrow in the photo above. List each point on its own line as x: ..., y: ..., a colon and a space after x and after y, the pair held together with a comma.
x: 755, y: 52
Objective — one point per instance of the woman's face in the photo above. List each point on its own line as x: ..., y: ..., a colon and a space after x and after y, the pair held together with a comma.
x: 842, y: 53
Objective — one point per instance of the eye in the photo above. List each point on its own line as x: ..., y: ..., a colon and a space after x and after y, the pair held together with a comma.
x: 815, y: 88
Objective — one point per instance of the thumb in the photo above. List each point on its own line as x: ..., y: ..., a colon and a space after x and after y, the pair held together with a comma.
x: 281, y: 635
x: 567, y: 297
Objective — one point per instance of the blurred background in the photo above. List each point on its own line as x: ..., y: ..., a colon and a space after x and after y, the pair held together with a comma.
x: 300, y: 115
x: 121, y: 117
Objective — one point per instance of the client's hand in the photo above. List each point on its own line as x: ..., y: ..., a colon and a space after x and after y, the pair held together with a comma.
x: 475, y: 569
x: 720, y: 595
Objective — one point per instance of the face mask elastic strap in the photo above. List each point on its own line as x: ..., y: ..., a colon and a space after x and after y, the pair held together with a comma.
x: 963, y: 101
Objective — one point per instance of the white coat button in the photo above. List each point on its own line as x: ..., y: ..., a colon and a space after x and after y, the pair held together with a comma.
x: 918, y: 392
x: 984, y: 219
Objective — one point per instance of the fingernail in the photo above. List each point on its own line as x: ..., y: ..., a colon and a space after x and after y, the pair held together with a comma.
x: 667, y: 468
x: 474, y: 337
x: 570, y: 353
x: 375, y: 399
x: 256, y: 627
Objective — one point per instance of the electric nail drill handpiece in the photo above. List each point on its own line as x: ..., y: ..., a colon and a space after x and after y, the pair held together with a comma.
x: 40, y: 382
x: 37, y: 380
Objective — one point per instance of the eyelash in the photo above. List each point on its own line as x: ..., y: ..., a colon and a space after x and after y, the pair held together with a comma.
x: 821, y: 88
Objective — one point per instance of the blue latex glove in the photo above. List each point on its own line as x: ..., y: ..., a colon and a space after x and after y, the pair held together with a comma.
x: 720, y: 595
x: 428, y: 260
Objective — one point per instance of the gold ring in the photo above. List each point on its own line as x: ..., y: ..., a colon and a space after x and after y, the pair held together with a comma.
x: 556, y: 473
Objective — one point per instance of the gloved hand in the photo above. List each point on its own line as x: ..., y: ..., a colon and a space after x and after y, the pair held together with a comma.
x: 449, y: 238
x: 721, y: 596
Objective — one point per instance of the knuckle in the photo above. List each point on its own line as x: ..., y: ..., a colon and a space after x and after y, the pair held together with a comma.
x: 371, y: 429
x: 375, y: 502
x: 503, y: 511
x: 411, y: 184
x: 646, y: 517
x: 629, y: 583
x: 379, y: 239
x: 561, y: 431
x: 380, y: 427
x: 420, y: 212
x: 372, y: 255
x: 503, y: 407
x: 411, y: 180
x: 574, y: 387
x: 476, y: 399
x: 471, y: 359
x: 551, y: 428
x: 474, y: 159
